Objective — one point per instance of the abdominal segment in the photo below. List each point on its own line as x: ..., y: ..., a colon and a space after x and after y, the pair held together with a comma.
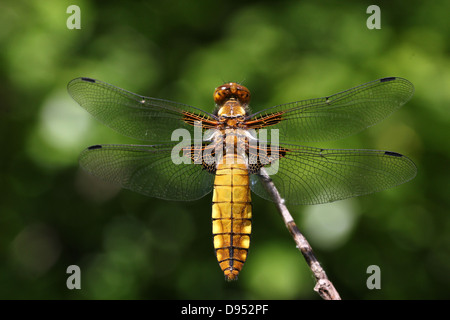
x: 231, y: 217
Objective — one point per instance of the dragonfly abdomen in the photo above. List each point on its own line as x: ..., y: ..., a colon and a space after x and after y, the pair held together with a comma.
x: 231, y: 216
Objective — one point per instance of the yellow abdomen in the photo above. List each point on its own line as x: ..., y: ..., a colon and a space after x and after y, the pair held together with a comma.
x: 231, y: 215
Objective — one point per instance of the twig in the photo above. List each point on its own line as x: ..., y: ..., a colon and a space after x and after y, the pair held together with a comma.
x: 324, y: 287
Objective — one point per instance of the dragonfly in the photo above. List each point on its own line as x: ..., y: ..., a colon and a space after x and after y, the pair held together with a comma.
x: 231, y: 147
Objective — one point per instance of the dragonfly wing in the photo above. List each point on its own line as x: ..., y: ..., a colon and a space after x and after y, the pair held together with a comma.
x: 336, y: 116
x: 306, y: 175
x: 148, y: 170
x: 135, y: 116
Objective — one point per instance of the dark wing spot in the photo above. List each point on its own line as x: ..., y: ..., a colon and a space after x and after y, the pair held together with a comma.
x: 88, y: 80
x: 260, y: 157
x: 387, y: 79
x: 97, y: 146
x: 207, y: 158
x: 394, y: 154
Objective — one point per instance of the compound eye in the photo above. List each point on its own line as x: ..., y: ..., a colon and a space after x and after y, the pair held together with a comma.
x: 220, y: 95
x: 244, y: 96
x: 223, y: 93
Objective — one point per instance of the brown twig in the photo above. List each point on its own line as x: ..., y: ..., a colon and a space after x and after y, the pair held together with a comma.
x: 324, y: 287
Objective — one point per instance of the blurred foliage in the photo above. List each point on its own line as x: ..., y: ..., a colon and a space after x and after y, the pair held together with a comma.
x: 53, y: 215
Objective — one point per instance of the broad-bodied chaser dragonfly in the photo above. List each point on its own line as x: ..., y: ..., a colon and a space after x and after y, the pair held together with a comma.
x: 227, y: 152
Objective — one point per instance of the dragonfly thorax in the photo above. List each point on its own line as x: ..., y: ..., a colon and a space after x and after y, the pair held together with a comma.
x: 232, y: 111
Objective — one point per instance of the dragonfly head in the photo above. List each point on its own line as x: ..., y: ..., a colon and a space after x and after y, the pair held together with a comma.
x: 229, y: 91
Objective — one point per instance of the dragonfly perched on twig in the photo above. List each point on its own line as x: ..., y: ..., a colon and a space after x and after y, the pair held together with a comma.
x: 230, y: 154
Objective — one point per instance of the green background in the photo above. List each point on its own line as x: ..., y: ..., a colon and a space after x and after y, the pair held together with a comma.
x: 52, y: 214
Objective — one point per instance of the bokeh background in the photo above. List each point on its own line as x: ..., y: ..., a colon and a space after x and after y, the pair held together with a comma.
x: 53, y: 215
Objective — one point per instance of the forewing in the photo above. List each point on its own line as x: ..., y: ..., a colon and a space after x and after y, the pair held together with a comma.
x: 148, y: 170
x: 136, y: 116
x: 308, y: 175
x: 336, y: 116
